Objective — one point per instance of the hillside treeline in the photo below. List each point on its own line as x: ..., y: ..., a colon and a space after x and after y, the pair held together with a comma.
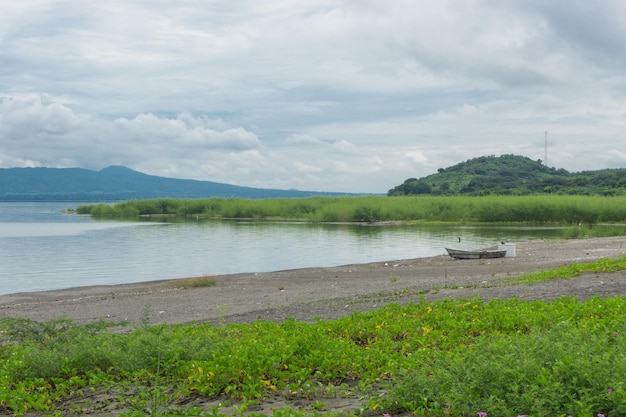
x: 513, y: 175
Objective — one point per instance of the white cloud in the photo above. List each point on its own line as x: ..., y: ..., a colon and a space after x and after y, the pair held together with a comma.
x: 344, y: 146
x: 185, y: 131
x: 302, y: 139
x: 302, y: 167
x: 416, y: 156
x: 28, y: 112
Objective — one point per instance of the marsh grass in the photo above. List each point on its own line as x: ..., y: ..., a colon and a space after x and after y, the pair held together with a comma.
x: 540, y: 209
x: 589, y: 231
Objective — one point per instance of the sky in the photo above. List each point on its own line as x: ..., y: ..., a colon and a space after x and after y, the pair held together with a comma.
x: 318, y: 95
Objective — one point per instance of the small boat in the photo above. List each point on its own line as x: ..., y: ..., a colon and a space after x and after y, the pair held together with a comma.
x: 476, y: 254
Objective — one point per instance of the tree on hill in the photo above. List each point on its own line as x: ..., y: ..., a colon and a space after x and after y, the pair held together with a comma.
x: 512, y: 175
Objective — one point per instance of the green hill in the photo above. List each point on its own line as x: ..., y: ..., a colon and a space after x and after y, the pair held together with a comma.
x: 513, y: 175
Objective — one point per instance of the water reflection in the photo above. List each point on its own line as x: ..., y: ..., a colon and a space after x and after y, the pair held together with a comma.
x: 44, y: 249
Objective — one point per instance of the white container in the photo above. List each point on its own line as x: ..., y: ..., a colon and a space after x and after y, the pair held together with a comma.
x: 510, y: 250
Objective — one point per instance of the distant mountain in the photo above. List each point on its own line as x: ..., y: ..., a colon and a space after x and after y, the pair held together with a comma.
x: 119, y: 183
x: 513, y: 175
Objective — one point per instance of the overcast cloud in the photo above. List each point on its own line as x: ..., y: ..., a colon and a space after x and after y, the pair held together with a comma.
x: 326, y: 95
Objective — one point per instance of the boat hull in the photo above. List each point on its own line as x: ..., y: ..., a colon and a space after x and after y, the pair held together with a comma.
x: 475, y: 254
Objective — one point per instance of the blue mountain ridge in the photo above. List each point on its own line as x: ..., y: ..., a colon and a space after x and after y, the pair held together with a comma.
x: 121, y: 183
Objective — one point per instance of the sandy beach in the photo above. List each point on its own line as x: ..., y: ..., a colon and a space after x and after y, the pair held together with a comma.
x: 310, y: 293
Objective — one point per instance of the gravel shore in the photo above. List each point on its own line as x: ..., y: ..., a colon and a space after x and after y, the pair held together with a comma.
x: 310, y: 293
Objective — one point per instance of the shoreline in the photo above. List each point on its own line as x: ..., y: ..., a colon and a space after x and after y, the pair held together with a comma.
x: 326, y: 292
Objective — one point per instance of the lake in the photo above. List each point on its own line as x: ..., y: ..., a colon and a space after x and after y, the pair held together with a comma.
x: 42, y: 248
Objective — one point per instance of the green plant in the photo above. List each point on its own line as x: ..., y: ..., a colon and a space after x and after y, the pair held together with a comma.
x: 446, y: 358
x: 570, y: 271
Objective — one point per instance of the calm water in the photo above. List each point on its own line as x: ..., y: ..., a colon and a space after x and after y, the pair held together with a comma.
x: 41, y: 248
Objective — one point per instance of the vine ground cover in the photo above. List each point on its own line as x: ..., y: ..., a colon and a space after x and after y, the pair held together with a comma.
x: 446, y: 358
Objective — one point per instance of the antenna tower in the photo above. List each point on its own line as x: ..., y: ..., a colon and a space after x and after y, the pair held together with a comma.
x: 545, y: 150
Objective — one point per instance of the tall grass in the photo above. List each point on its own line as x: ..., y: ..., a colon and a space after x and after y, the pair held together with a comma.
x: 563, y: 210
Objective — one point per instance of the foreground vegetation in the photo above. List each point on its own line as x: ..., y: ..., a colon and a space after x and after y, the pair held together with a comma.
x: 573, y: 210
x: 446, y: 358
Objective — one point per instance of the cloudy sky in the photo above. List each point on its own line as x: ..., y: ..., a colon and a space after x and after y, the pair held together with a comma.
x: 326, y: 95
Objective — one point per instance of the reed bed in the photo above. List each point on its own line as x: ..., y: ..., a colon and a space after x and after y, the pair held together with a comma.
x: 541, y: 209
